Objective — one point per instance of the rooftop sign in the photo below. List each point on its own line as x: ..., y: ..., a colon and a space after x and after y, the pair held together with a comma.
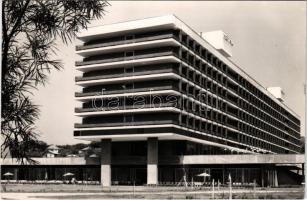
x: 220, y: 41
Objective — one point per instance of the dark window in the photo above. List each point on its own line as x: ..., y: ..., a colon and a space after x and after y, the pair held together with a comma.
x: 128, y: 86
x: 129, y: 70
x: 129, y: 37
x: 129, y: 118
x: 129, y: 53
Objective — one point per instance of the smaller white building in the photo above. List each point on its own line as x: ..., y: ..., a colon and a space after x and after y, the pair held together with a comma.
x: 220, y: 41
x: 52, y: 151
x: 277, y: 92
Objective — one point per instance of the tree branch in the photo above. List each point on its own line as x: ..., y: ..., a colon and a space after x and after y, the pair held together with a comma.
x: 8, y: 37
x: 18, y: 21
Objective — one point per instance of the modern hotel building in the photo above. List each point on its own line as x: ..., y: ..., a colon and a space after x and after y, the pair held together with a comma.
x: 167, y: 103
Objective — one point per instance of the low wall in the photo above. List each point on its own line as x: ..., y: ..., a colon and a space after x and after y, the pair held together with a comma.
x: 186, y: 160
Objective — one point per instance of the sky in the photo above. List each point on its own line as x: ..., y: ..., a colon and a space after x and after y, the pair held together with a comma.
x: 269, y: 44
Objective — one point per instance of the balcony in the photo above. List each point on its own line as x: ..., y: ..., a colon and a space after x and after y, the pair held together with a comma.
x: 129, y: 63
x: 121, y: 42
x: 140, y: 109
x: 110, y: 76
x: 130, y: 46
x: 132, y: 123
x: 126, y: 107
x: 123, y: 58
x: 130, y: 79
x: 134, y: 90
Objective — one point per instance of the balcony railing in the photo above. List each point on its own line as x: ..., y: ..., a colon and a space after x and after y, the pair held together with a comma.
x: 133, y: 123
x: 126, y: 107
x: 122, y: 42
x: 120, y: 91
x: 108, y: 60
x: 127, y: 74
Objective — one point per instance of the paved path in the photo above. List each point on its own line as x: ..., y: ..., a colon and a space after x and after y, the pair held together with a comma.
x: 120, y: 195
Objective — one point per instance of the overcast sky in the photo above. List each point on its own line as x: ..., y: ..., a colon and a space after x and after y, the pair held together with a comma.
x: 269, y: 44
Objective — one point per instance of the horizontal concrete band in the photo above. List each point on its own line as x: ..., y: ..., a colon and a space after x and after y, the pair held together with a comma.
x: 172, y: 160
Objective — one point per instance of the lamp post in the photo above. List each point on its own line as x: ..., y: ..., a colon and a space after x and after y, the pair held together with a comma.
x: 230, y: 187
x: 124, y: 101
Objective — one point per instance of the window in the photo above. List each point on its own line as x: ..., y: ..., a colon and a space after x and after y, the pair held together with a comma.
x: 209, y: 85
x: 197, y: 124
x: 129, y: 118
x: 129, y: 37
x: 191, y: 75
x: 214, y: 127
x: 224, y: 80
x: 184, y: 120
x: 203, y: 126
x: 190, y: 106
x: 184, y: 71
x: 128, y: 86
x: 213, y: 102
x: 198, y: 79
x: 209, y: 113
x: 209, y: 71
x: 209, y: 128
x: 184, y: 87
x: 204, y: 82
x: 190, y: 120
x: 214, y: 115
x: 129, y: 70
x: 204, y: 68
x: 219, y: 78
x: 129, y: 53
x: 184, y: 55
x: 209, y: 100
x: 214, y: 87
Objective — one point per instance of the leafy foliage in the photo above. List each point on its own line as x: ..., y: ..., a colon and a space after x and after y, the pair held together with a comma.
x: 95, y: 144
x: 29, y: 31
x: 71, y: 149
x: 37, y: 148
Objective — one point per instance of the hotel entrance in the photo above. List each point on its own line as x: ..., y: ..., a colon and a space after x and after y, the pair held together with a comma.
x: 127, y: 175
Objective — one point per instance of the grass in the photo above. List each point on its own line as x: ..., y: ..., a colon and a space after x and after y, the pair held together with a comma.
x: 77, y: 192
x: 174, y: 196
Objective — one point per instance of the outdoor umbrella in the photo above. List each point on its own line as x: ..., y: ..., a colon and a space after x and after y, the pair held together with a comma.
x: 204, y: 175
x: 68, y: 174
x: 93, y: 156
x: 8, y: 174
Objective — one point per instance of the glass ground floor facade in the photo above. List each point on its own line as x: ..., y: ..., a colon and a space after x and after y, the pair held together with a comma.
x: 178, y: 175
x: 171, y: 175
x: 40, y: 172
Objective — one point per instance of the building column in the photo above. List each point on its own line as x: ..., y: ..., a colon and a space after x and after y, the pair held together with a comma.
x: 243, y: 181
x: 269, y: 178
x: 223, y: 182
x: 275, y: 181
x: 15, y: 174
x: 105, y: 162
x: 262, y: 176
x: 152, y: 161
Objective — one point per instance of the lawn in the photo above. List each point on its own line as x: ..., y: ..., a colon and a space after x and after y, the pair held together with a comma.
x: 92, y: 192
